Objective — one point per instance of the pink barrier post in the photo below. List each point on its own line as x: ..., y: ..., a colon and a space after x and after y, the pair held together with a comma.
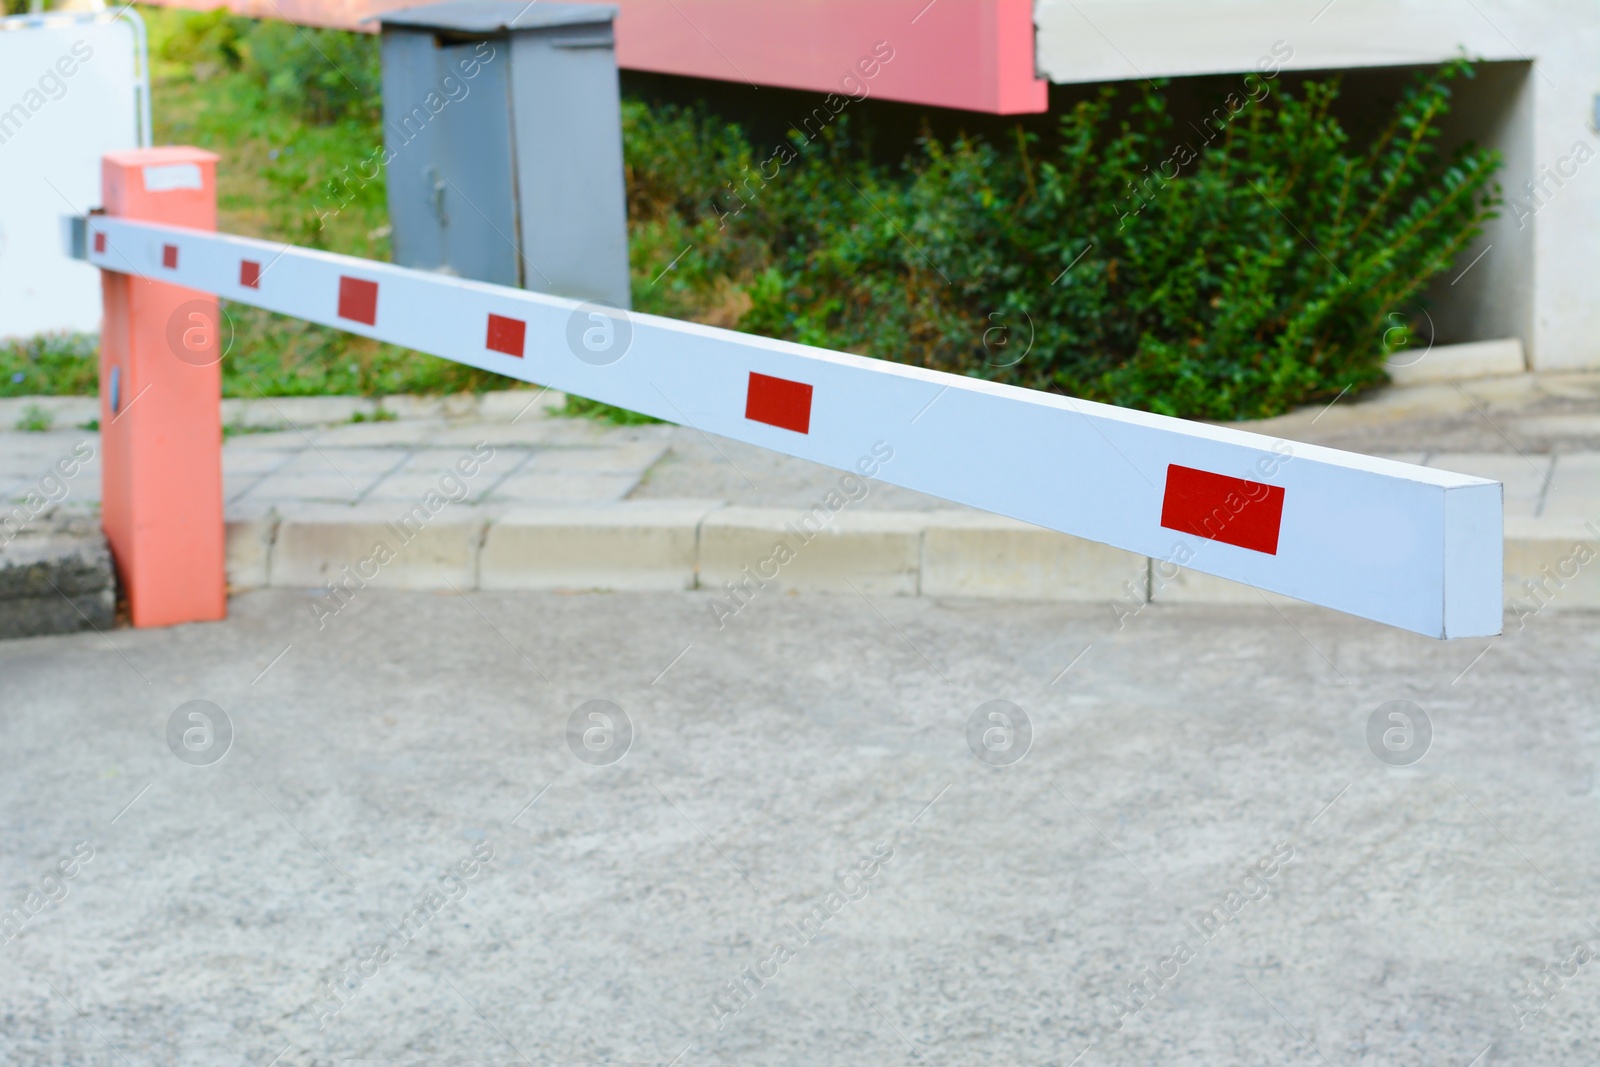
x: 160, y: 400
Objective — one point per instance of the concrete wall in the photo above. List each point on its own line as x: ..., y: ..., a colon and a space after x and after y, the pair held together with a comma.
x: 1535, y: 103
x: 1489, y: 294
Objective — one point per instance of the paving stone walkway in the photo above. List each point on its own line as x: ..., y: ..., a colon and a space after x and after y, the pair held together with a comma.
x: 1537, y: 434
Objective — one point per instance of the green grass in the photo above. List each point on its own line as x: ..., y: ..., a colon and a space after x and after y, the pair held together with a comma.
x: 50, y: 365
x: 234, y: 429
x: 584, y: 408
x: 278, y: 157
x: 35, y: 419
x: 232, y: 86
x: 276, y: 180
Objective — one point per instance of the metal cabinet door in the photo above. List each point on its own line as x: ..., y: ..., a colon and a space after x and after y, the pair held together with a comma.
x: 568, y: 135
x: 477, y: 200
x: 450, y: 183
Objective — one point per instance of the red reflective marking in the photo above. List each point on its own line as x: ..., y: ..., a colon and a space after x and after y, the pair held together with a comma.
x: 358, y: 300
x: 249, y: 274
x: 1234, y: 511
x: 779, y: 402
x: 506, y: 335
x: 169, y: 256
x: 99, y: 242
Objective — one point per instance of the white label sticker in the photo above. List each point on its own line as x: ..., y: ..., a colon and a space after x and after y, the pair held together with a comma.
x: 160, y: 179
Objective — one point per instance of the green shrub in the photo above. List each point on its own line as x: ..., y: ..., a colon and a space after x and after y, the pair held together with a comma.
x: 204, y: 42
x: 323, y: 74
x: 1264, y: 274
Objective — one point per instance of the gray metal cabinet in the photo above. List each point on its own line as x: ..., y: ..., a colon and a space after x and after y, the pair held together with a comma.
x: 503, y: 136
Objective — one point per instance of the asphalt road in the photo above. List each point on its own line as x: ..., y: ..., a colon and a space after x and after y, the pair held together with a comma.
x: 409, y: 852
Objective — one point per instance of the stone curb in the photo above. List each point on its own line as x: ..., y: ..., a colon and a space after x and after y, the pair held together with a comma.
x: 875, y: 552
x: 644, y: 546
x: 339, y: 547
x: 1458, y: 363
x: 1551, y: 564
x: 659, y: 545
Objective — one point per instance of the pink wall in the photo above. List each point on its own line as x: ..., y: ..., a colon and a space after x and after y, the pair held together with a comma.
x: 977, y: 55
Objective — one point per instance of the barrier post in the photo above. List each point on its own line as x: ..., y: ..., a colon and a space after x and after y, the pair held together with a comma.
x: 160, y: 399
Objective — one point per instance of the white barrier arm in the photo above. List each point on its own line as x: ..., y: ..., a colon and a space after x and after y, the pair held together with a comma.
x: 1413, y: 547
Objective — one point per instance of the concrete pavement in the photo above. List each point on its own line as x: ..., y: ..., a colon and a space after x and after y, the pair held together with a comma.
x: 1203, y: 856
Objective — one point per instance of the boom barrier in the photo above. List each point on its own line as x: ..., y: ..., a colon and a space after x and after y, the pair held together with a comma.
x: 1409, y: 546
